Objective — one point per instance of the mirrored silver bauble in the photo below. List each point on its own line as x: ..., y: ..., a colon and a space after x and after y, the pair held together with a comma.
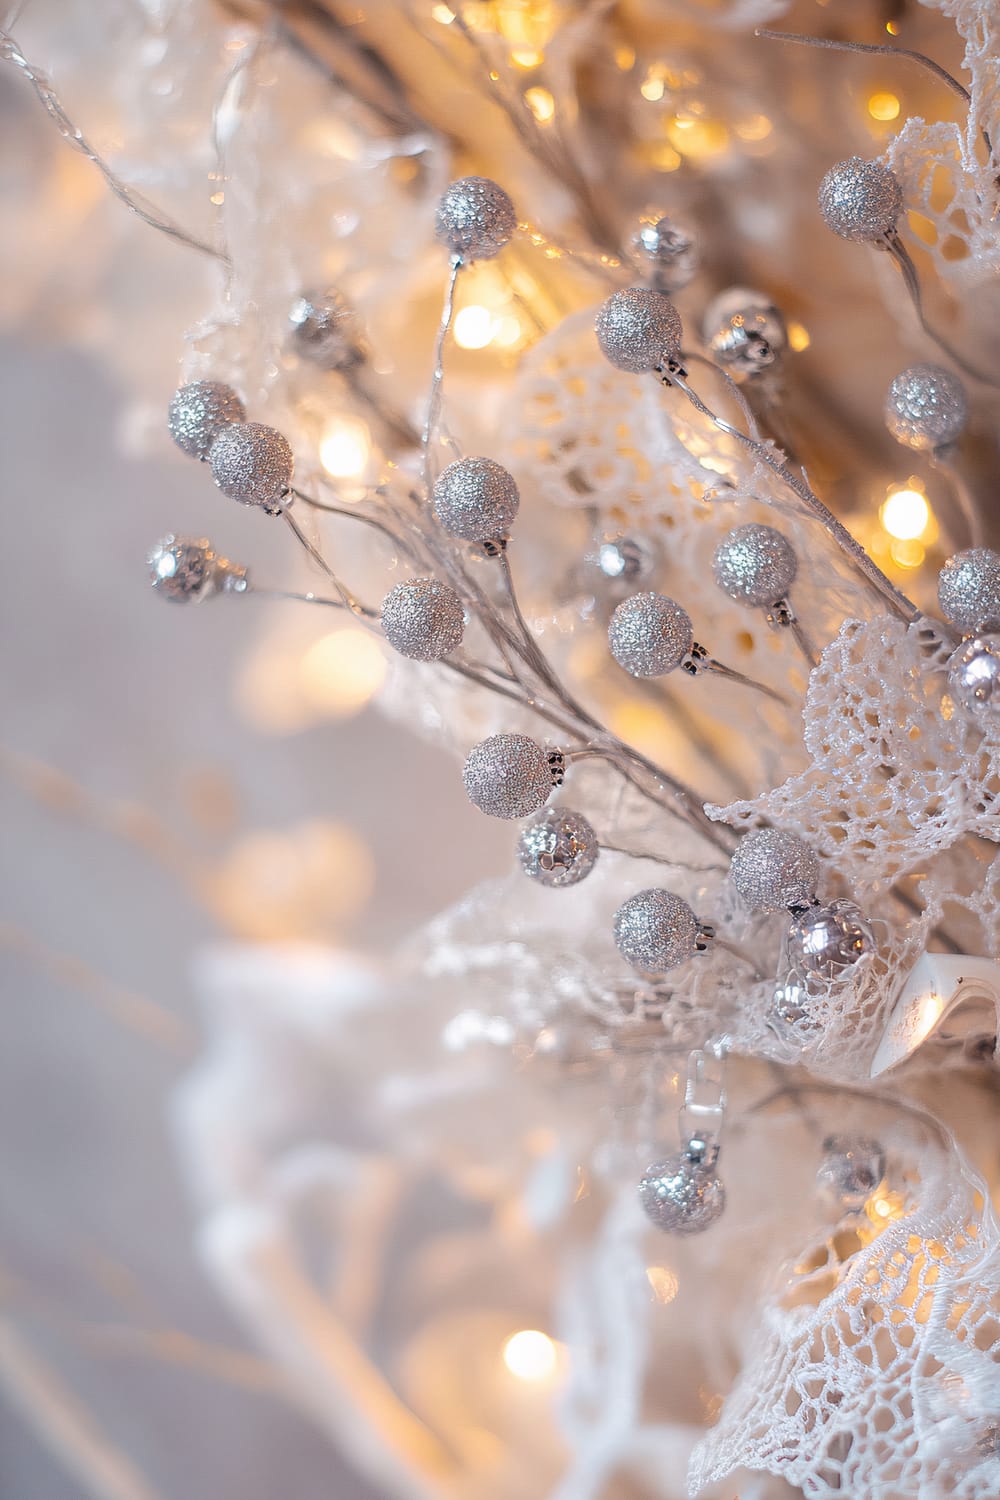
x: 861, y: 200
x: 826, y: 940
x: 624, y: 560
x: 974, y: 673
x: 744, y: 330
x: 969, y: 590
x: 253, y: 464
x: 476, y: 499
x: 508, y: 776
x: 682, y: 1194
x: 326, y: 331
x: 773, y: 870
x: 198, y: 412
x: 423, y: 619
x: 671, y: 251
x: 755, y: 564
x: 926, y: 407
x: 649, y: 635
x: 851, y: 1170
x: 475, y: 218
x: 639, y: 330
x: 656, y: 930
x: 187, y: 569
x: 558, y: 848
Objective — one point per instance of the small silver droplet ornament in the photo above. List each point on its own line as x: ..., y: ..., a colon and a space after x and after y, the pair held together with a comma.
x: 670, y: 250
x: 656, y: 930
x: 639, y: 330
x: 969, y: 591
x: 974, y: 673
x: 476, y: 499
x: 744, y: 331
x: 326, y: 331
x: 187, y: 570
x: 253, y: 464
x: 475, y: 218
x: 511, y: 775
x: 851, y: 1170
x: 861, y: 200
x: 926, y: 407
x: 198, y: 413
x: 558, y: 848
x: 423, y: 618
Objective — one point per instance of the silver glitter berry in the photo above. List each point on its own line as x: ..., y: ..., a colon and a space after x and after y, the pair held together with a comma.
x: 744, y: 330
x: 851, y: 1170
x: 475, y: 218
x: 508, y: 776
x: 926, y: 407
x: 826, y: 940
x: 476, y: 499
x: 198, y: 412
x: 860, y: 200
x: 773, y: 870
x: 253, y: 464
x: 186, y: 570
x: 558, y: 848
x: 755, y: 564
x: 974, y: 673
x: 326, y: 330
x: 682, y: 1194
x: 423, y: 618
x: 670, y: 249
x: 649, y: 635
x: 656, y: 930
x: 639, y: 329
x: 969, y: 590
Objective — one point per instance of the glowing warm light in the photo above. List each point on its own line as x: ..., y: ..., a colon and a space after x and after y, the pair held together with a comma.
x: 344, y: 448
x: 341, y: 672
x: 443, y: 15
x: 892, y: 28
x: 698, y: 139
x: 508, y: 332
x: 624, y: 58
x: 652, y: 89
x: 218, y: 198
x: 907, y: 554
x: 664, y: 158
x: 883, y: 106
x: 798, y: 336
x: 473, y: 327
x: 757, y: 128
x: 541, y: 104
x: 905, y: 515
x: 526, y: 57
x: 663, y: 1281
x: 885, y: 1208
x: 530, y: 1355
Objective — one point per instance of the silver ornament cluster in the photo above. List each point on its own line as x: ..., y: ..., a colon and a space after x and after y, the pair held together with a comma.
x: 650, y: 635
x: 475, y: 218
x: 656, y: 930
x: 773, y: 870
x: 423, y: 618
x: 969, y: 590
x: 861, y: 200
x: 186, y: 570
x: 825, y: 940
x: 326, y: 331
x: 476, y: 499
x: 926, y: 407
x: 745, y: 331
x: 852, y: 1168
x: 508, y: 776
x: 198, y: 413
x: 558, y: 848
x: 755, y: 564
x: 974, y: 673
x: 671, y: 251
x: 682, y: 1194
x: 253, y: 464
x: 639, y: 330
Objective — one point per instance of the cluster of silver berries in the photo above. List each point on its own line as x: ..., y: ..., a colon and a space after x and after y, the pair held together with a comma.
x: 249, y: 462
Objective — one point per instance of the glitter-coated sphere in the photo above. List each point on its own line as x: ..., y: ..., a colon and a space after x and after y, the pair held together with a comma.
x: 671, y: 250
x: 558, y: 848
x: 744, y: 330
x: 860, y: 200
x: 326, y: 330
x: 755, y: 564
x: 826, y: 940
x: 253, y: 464
x: 649, y: 635
x: 508, y: 776
x: 969, y: 590
x: 639, y: 329
x: 476, y: 499
x: 475, y: 218
x: 773, y: 870
x: 656, y: 930
x: 926, y: 407
x: 682, y: 1194
x: 974, y: 673
x: 423, y: 618
x: 180, y: 568
x: 851, y: 1170
x: 198, y: 413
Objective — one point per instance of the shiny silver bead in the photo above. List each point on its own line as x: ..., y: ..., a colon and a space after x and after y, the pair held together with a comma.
x: 253, y: 464
x: 974, y: 673
x: 476, y: 499
x: 682, y: 1194
x: 649, y: 635
x: 926, y: 407
x: 969, y: 590
x: 656, y: 930
x: 423, y: 619
x: 670, y: 249
x: 773, y: 870
x: 198, y: 412
x: 744, y: 330
x: 851, y: 1170
x: 326, y: 330
x: 187, y: 569
x: 625, y: 560
x: 639, y: 330
x: 558, y: 848
x: 825, y: 940
x: 861, y: 200
x: 508, y: 776
x: 475, y: 218
x: 755, y: 565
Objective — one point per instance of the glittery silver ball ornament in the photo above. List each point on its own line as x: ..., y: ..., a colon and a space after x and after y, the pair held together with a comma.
x: 670, y: 249
x: 861, y: 200
x: 656, y: 930
x: 755, y: 564
x: 682, y: 1194
x: 326, y: 330
x: 969, y: 590
x: 649, y: 635
x: 475, y: 218
x: 639, y: 330
x: 974, y: 673
x: 508, y: 776
x: 187, y: 569
x: 476, y: 499
x: 773, y: 870
x: 926, y: 407
x: 558, y: 848
x: 423, y: 618
x: 198, y: 412
x: 253, y: 464
x: 744, y: 330
x: 826, y: 940
x: 851, y: 1170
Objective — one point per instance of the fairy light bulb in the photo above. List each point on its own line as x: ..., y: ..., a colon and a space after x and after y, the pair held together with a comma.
x: 905, y: 514
x: 345, y: 447
x: 530, y: 1355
